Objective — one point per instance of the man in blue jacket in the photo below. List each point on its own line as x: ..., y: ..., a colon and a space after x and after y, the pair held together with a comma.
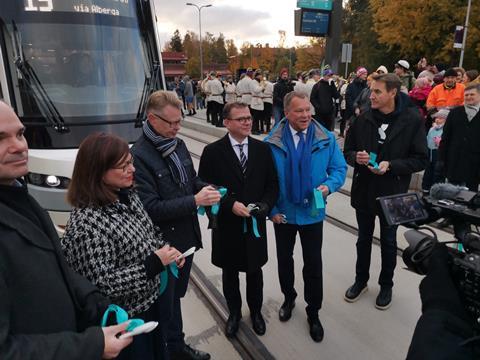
x: 310, y: 166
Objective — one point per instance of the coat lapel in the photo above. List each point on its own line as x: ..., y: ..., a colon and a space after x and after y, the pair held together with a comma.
x: 31, y: 232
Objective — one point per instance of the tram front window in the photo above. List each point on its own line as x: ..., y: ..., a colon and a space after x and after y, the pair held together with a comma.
x: 86, y: 70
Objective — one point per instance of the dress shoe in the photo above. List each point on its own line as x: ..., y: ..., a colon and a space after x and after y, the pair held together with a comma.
x: 384, y: 299
x: 233, y: 323
x: 189, y: 353
x: 316, y: 328
x: 285, y: 312
x: 258, y: 323
x: 354, y: 292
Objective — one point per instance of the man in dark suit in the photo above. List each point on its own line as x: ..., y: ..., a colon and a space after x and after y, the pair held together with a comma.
x: 47, y: 311
x: 170, y: 191
x: 245, y: 167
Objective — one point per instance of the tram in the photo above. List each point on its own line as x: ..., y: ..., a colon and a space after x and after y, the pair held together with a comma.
x: 70, y: 68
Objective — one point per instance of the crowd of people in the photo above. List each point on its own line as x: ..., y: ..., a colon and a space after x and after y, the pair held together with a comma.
x: 135, y: 211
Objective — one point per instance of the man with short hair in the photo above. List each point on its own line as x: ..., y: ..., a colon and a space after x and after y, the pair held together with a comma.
x: 214, y: 89
x: 448, y: 94
x: 459, y: 145
x: 282, y: 87
x: 244, y: 166
x: 402, y: 70
x: 47, y: 312
x: 310, y: 166
x: 386, y: 144
x: 171, y: 192
x: 323, y: 96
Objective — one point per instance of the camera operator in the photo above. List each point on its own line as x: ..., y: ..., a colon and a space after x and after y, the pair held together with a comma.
x: 445, y: 330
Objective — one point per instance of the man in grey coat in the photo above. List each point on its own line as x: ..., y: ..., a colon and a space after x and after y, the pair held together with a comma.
x: 47, y: 312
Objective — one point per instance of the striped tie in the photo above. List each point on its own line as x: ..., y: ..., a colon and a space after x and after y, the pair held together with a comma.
x: 243, y: 158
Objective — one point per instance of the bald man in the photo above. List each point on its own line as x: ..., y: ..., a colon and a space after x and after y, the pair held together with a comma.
x: 47, y: 312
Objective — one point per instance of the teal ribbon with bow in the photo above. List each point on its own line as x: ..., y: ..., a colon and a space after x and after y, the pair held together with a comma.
x: 318, y: 202
x: 121, y: 316
x: 164, y: 276
x: 215, y: 207
x: 254, y: 226
x: 373, y: 160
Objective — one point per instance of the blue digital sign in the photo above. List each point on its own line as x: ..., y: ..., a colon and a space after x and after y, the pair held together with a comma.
x: 314, y: 23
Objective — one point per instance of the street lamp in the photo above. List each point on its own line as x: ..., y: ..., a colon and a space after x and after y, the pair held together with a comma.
x: 199, y: 8
x: 465, y: 29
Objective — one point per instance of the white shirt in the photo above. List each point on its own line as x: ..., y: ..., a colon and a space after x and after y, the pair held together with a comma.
x: 237, y: 148
x: 296, y: 138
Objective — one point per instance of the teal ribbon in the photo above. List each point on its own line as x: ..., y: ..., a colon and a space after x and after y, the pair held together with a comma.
x: 121, y: 316
x: 215, y: 207
x: 254, y: 226
x: 164, y: 276
x: 373, y: 160
x: 318, y: 202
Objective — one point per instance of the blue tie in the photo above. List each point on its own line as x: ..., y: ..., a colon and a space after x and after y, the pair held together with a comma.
x: 301, y: 143
x: 243, y: 158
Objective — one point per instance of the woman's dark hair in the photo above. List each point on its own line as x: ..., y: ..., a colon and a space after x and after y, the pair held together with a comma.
x: 97, y: 154
x: 472, y: 74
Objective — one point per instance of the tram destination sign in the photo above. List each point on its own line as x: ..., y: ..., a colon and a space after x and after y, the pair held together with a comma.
x: 314, y: 23
x: 315, y: 4
x: 103, y: 7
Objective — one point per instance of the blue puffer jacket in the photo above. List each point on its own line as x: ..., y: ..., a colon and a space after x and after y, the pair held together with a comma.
x: 328, y: 168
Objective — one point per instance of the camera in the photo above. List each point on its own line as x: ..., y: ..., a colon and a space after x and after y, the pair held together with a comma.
x: 463, y: 211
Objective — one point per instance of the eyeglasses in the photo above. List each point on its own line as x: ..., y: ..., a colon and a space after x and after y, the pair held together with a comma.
x: 172, y: 124
x: 125, y: 165
x: 243, y: 119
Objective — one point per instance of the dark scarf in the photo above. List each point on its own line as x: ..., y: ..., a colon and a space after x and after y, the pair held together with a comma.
x: 298, y: 174
x: 166, y: 147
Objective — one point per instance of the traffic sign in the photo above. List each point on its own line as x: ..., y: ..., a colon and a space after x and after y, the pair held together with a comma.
x: 346, y: 53
x: 315, y: 4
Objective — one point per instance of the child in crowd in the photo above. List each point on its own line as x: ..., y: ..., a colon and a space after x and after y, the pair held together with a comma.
x: 434, y: 137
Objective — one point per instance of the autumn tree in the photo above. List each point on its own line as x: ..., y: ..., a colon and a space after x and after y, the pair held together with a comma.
x: 426, y: 28
x: 310, y: 56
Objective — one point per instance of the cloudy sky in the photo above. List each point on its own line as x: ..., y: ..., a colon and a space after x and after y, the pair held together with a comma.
x: 256, y: 21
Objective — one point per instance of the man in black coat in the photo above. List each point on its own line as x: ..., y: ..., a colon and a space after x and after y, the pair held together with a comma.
x: 170, y: 192
x: 353, y: 90
x: 323, y: 96
x: 281, y: 88
x: 244, y: 166
x: 395, y: 134
x: 459, y: 151
x: 47, y: 312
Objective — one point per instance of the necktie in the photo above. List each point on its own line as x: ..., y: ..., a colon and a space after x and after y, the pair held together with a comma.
x: 243, y: 158
x: 301, y: 143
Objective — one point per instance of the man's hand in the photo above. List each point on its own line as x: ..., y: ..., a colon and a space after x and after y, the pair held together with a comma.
x: 324, y: 189
x: 240, y: 210
x: 208, y: 196
x: 362, y: 157
x: 261, y: 210
x: 277, y: 219
x: 114, y: 345
x: 382, y: 168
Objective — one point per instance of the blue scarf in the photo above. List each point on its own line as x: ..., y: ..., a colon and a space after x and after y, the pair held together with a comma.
x: 166, y: 147
x: 298, y: 171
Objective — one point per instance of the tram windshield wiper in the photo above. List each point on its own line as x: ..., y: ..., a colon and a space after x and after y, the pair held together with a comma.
x: 151, y: 84
x: 45, y: 104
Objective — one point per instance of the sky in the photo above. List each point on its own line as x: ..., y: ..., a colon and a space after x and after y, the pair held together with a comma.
x: 255, y: 21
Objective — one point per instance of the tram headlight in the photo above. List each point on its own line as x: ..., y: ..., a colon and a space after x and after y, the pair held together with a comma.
x: 48, y: 181
x: 52, y: 181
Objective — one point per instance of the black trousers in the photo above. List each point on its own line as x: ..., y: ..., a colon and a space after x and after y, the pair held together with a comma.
x: 311, y: 237
x: 209, y: 111
x: 388, y: 246
x: 216, y: 113
x: 231, y: 290
x: 171, y: 322
x: 266, y: 117
x: 257, y: 116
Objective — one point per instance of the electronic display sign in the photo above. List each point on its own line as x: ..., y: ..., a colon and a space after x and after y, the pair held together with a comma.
x: 102, y: 7
x: 314, y: 23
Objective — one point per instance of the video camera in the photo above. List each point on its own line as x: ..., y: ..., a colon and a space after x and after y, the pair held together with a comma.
x: 462, y: 208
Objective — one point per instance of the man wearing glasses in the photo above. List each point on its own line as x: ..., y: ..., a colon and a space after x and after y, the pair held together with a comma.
x: 245, y: 167
x: 170, y: 191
